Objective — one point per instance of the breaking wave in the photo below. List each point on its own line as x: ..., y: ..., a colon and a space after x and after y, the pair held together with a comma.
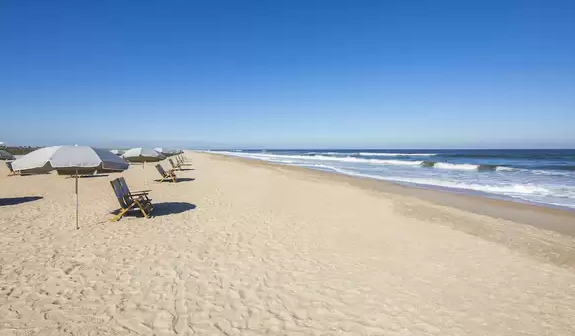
x: 463, y: 166
x: 508, y: 189
x: 396, y: 154
x: 324, y: 156
x: 347, y: 158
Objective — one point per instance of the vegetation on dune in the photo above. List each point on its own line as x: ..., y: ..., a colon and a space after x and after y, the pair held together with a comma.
x: 18, y: 150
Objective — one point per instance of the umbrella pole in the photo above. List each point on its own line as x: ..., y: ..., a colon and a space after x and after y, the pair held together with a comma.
x: 77, y: 224
x: 145, y: 176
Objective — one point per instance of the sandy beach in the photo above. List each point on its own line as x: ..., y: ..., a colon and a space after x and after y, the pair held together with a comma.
x: 242, y: 247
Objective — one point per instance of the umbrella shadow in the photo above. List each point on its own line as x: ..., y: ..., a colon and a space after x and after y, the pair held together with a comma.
x: 18, y: 200
x: 86, y: 176
x: 26, y: 174
x: 180, y: 179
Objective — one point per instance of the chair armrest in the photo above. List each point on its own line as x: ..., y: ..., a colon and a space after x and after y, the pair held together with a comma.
x: 142, y: 192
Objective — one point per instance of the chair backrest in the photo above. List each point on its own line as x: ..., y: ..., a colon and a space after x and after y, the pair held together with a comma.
x: 124, y: 186
x: 119, y: 191
x: 172, y: 163
x: 9, y: 165
x: 161, y: 170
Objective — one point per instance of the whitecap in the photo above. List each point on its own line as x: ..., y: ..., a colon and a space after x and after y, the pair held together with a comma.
x: 396, y: 154
x: 455, y: 166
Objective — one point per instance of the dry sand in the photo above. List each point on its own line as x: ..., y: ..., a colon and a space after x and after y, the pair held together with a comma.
x: 252, y: 249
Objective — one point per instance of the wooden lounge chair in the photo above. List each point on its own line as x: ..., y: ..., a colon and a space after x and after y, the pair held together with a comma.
x: 166, y: 176
x: 182, y: 162
x: 174, y: 166
x: 141, y: 193
x: 11, y: 171
x: 130, y: 201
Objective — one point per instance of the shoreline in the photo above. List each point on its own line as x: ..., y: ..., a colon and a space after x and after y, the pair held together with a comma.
x: 463, y: 172
x: 552, y: 218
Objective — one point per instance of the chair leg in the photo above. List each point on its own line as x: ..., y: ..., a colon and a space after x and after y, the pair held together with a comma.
x: 142, y: 209
x: 121, y: 214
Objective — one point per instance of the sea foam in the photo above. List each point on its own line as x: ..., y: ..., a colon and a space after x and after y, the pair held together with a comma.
x: 396, y: 154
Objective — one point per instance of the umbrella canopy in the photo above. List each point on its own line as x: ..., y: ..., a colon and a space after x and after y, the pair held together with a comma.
x: 76, y: 160
x: 4, y: 155
x: 142, y: 155
x: 117, y: 151
x: 69, y: 159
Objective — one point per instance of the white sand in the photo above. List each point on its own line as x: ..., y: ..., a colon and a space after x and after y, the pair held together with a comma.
x: 269, y: 250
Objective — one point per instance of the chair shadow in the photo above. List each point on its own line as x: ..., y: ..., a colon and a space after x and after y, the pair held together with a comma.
x: 171, y: 208
x: 180, y: 179
x: 185, y: 169
x: 18, y: 200
x: 161, y: 209
x: 87, y: 176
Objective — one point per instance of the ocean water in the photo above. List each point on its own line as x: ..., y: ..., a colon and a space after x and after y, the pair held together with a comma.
x: 544, y: 177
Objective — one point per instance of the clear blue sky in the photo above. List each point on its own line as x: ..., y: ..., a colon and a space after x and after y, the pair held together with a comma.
x: 276, y: 74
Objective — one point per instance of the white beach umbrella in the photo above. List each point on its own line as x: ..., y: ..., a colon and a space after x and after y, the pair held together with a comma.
x: 72, y: 160
x: 143, y: 155
x: 175, y: 151
x: 117, y: 151
x: 4, y: 155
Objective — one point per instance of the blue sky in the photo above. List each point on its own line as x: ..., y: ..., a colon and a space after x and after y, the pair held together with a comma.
x: 288, y: 74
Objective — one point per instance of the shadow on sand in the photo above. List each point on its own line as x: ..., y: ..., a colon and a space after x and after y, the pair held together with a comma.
x: 171, y: 208
x: 18, y: 200
x: 162, y: 209
x: 87, y: 176
x: 180, y: 179
x: 31, y: 174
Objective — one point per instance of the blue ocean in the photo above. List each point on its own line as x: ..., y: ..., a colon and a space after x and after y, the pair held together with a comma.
x: 539, y: 176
